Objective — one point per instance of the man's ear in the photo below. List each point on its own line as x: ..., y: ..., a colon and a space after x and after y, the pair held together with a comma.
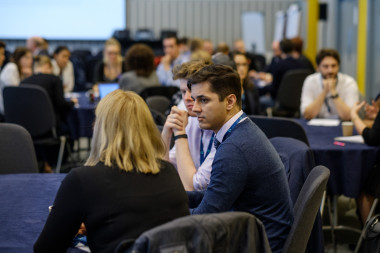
x: 231, y: 101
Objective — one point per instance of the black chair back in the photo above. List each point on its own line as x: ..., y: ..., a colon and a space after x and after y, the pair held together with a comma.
x: 280, y: 127
x: 306, y: 209
x: 219, y: 232
x: 30, y: 107
x: 17, y: 154
x: 289, y: 93
x: 166, y: 91
x: 158, y: 103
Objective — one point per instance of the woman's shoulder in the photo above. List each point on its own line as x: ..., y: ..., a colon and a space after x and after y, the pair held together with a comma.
x: 10, y: 66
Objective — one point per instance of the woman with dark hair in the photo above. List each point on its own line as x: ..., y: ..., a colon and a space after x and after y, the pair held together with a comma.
x: 125, y: 186
x: 140, y: 69
x: 63, y: 67
x: 250, y: 95
x: 20, y: 67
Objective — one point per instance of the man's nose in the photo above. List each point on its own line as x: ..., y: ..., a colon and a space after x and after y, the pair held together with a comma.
x: 188, y: 96
x: 196, y: 107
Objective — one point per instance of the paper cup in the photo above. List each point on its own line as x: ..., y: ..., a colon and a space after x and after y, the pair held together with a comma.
x: 347, y: 128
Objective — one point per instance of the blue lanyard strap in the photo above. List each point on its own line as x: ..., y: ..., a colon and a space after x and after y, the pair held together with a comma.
x: 233, y: 126
x: 202, y: 153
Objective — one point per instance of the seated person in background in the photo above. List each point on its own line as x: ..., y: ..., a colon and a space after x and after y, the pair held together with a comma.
x: 286, y: 64
x: 2, y: 85
x: 44, y: 78
x: 371, y: 137
x: 168, y: 61
x: 250, y: 95
x: 328, y: 94
x: 140, y: 69
x: 193, y: 151
x: 2, y: 54
x: 124, y: 189
x: 112, y: 67
x: 20, y: 67
x: 34, y: 44
x: 52, y: 84
x: 208, y: 46
x: 247, y: 172
x: 43, y: 48
x: 63, y: 67
x: 255, y: 64
x: 266, y: 75
x: 14, y: 71
x: 297, y: 53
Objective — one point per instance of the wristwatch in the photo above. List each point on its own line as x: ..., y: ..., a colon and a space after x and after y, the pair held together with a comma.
x: 334, y: 96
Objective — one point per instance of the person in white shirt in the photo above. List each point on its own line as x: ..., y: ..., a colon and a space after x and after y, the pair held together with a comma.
x: 328, y: 93
x: 194, y: 151
x: 63, y: 67
x: 19, y: 68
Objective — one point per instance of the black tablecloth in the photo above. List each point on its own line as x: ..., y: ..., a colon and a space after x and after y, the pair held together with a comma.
x: 349, y: 164
x: 82, y: 117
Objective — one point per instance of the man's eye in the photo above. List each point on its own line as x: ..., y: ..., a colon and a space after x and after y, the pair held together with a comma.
x: 204, y: 100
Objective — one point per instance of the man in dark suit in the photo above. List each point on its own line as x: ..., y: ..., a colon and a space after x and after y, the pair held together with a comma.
x: 247, y: 173
x: 287, y: 62
x: 44, y: 78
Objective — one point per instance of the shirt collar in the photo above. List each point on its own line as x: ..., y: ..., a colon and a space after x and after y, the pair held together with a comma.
x: 219, y: 136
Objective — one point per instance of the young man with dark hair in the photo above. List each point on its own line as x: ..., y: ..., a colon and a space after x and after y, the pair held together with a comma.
x: 168, y: 61
x: 328, y: 93
x: 247, y: 173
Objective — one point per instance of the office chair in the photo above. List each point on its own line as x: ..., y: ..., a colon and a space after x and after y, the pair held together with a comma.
x: 30, y: 107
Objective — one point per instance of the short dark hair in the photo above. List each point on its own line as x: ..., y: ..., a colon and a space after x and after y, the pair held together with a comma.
x: 2, y: 44
x: 327, y: 52
x: 171, y: 37
x: 223, y: 79
x: 140, y: 58
x: 286, y: 46
x: 60, y: 49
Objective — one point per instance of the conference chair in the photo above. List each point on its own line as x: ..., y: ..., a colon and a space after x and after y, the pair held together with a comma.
x: 167, y: 91
x: 144, y: 34
x: 288, y: 99
x: 298, y: 160
x: 370, y: 236
x: 306, y: 209
x: 219, y: 232
x: 30, y: 107
x: 277, y: 126
x: 158, y: 103
x: 17, y: 153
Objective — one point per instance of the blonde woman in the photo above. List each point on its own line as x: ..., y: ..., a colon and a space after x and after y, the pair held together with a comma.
x: 112, y: 66
x: 124, y: 189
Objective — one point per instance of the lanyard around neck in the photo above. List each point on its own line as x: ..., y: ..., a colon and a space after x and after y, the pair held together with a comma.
x: 202, y: 153
x: 243, y: 116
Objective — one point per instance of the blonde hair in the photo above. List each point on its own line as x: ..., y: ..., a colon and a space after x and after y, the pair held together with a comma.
x: 125, y: 134
x: 41, y: 60
x: 112, y: 42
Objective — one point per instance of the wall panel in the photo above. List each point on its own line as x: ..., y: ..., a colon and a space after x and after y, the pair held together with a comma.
x: 217, y: 20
